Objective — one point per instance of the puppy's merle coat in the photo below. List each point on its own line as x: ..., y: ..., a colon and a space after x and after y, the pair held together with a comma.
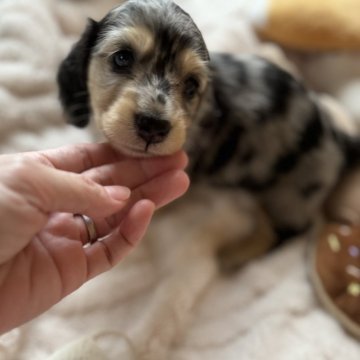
x: 144, y: 75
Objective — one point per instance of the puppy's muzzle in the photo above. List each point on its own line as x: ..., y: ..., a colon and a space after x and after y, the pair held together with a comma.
x: 151, y: 129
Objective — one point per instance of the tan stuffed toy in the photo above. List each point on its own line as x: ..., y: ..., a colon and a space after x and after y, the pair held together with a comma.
x: 313, y: 24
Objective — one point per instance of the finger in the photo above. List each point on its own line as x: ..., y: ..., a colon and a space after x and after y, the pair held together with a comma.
x: 78, y: 158
x: 51, y: 190
x: 134, y: 172
x: 163, y: 189
x: 160, y: 190
x: 73, y: 227
x: 106, y: 253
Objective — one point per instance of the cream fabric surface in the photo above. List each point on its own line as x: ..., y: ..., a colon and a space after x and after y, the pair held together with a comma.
x: 266, y: 311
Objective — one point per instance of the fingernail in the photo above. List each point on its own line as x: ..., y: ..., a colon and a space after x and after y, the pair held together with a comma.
x: 119, y: 193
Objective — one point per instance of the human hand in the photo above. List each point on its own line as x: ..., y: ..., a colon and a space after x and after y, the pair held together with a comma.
x: 42, y: 253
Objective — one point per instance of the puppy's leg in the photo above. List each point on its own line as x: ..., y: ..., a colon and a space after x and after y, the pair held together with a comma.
x: 184, y: 242
x: 172, y: 305
x: 262, y: 238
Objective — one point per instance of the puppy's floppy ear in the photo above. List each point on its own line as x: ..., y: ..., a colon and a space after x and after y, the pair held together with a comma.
x: 72, y: 78
x: 204, y: 52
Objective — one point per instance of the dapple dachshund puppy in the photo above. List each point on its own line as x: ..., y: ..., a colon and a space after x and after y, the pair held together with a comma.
x: 144, y: 75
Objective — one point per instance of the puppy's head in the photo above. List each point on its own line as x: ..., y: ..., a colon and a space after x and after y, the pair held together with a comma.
x: 140, y: 73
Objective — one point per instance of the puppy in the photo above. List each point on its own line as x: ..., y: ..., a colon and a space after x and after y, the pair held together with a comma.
x: 144, y: 75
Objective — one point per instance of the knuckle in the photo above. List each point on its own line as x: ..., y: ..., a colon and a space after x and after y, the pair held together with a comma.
x: 22, y: 166
x: 24, y: 174
x: 92, y: 187
x: 87, y: 161
x: 89, y: 183
x: 107, y: 252
x: 24, y: 177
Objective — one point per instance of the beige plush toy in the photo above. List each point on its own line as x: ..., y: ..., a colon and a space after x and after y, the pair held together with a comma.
x: 313, y: 25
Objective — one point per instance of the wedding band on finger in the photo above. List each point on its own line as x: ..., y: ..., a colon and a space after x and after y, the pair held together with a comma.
x: 90, y: 228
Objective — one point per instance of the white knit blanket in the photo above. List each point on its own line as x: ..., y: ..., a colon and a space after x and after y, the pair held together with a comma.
x: 265, y: 311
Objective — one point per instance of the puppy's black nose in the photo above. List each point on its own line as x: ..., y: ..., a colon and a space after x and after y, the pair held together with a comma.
x: 151, y: 129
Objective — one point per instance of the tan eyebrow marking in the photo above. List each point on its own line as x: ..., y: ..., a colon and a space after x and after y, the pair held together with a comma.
x: 190, y: 63
x: 138, y: 38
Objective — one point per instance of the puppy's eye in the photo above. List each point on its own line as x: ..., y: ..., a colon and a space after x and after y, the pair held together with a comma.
x: 191, y: 87
x: 123, y: 60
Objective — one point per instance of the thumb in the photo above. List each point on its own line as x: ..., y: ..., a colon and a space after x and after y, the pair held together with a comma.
x: 53, y: 190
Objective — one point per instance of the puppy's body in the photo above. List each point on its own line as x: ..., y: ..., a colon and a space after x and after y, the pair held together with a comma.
x: 144, y: 75
x: 264, y: 132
